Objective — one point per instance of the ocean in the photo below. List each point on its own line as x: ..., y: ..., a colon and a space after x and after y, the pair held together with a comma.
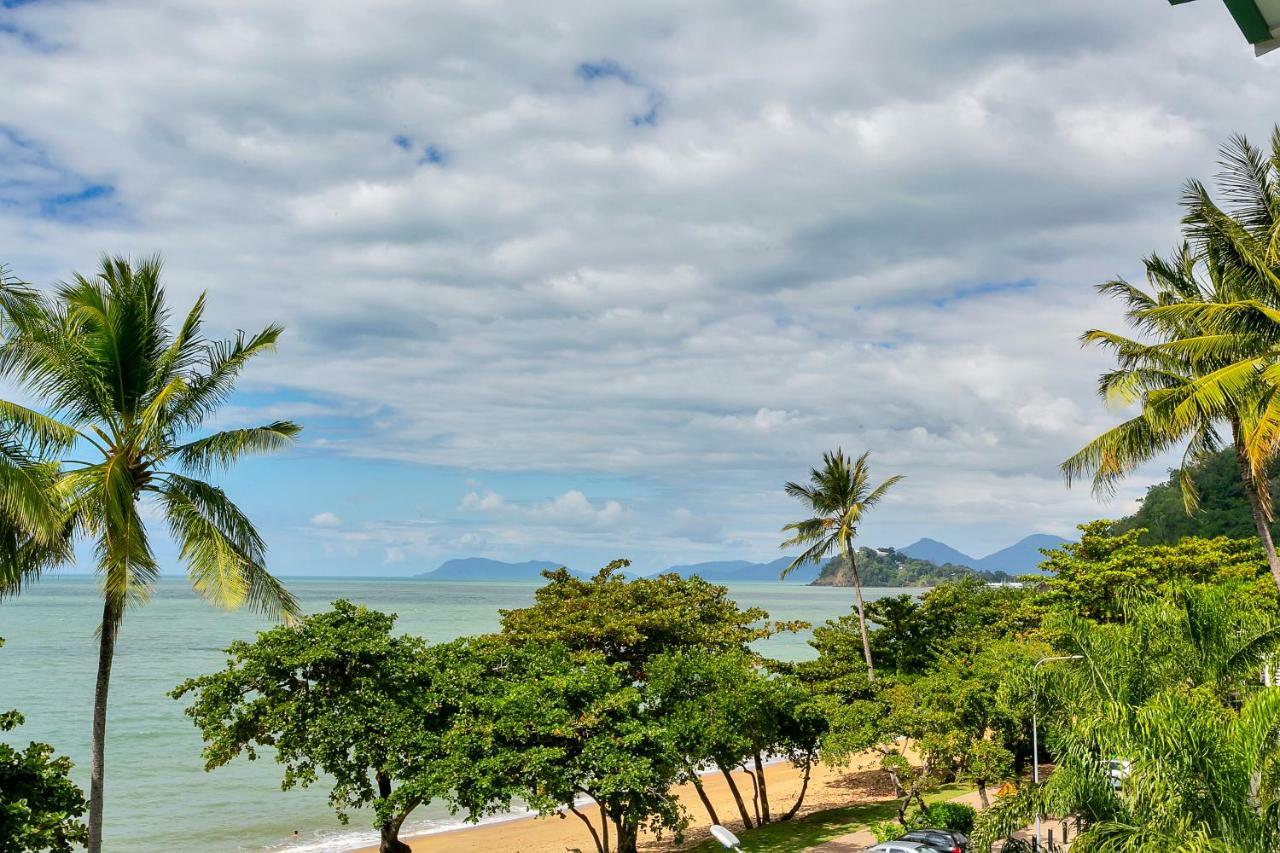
x: 159, y: 797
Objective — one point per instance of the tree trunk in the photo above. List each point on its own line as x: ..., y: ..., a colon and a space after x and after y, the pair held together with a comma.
x: 591, y: 827
x: 737, y: 798
x: 628, y: 834
x: 862, y: 613
x: 706, y: 801
x: 111, y: 614
x: 389, y: 832
x: 389, y: 838
x: 982, y: 793
x: 804, y: 786
x: 755, y: 794
x: 764, y: 791
x: 1252, y: 488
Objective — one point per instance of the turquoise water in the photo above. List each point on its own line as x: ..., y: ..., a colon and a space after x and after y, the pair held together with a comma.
x: 159, y: 798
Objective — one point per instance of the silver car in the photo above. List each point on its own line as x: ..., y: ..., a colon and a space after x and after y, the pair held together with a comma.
x: 900, y: 847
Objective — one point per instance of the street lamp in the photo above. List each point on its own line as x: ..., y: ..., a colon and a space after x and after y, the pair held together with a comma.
x: 1035, y: 739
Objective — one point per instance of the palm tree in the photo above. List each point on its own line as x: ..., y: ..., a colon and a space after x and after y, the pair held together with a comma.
x: 121, y: 393
x: 1183, y: 348
x: 33, y: 533
x: 838, y: 495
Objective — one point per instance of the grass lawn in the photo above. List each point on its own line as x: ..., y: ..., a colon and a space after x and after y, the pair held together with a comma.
x: 804, y: 832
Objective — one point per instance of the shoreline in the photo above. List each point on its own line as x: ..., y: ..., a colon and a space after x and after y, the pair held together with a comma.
x: 515, y: 833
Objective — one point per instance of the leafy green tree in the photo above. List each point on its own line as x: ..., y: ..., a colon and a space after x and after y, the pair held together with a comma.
x: 631, y: 622
x: 122, y: 393
x: 552, y: 726
x: 986, y: 762
x: 839, y: 495
x: 1098, y: 576
x: 723, y: 708
x: 336, y: 694
x: 40, y: 807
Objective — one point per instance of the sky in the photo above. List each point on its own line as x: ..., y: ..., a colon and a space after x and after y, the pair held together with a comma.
x: 576, y: 281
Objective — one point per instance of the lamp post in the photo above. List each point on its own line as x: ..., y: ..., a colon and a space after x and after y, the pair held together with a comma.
x: 1035, y: 739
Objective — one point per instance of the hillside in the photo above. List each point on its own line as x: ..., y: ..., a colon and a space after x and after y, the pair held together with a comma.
x: 1224, y: 509
x: 888, y: 567
x: 745, y: 570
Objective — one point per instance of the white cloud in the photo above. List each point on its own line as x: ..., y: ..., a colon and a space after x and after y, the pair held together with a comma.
x: 846, y: 226
x: 326, y: 519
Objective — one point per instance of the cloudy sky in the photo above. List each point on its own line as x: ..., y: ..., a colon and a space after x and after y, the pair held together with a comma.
x: 573, y: 281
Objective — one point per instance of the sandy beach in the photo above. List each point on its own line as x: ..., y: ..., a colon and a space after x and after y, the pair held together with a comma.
x: 828, y: 787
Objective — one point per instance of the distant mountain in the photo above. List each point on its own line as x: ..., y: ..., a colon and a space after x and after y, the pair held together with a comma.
x: 483, y: 569
x: 745, y: 570
x: 1022, y: 557
x: 938, y: 553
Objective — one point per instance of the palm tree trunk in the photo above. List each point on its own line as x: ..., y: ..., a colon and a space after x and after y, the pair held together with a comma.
x: 1252, y: 488
x: 111, y: 613
x: 862, y: 614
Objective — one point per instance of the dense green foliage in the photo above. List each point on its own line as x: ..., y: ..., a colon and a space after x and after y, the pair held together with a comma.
x: 1223, y: 509
x: 887, y: 567
x: 1101, y: 574
x: 1162, y: 732
x: 336, y: 695
x: 40, y: 807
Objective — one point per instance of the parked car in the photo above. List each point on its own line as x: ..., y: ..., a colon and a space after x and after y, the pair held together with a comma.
x: 939, y: 840
x: 900, y: 847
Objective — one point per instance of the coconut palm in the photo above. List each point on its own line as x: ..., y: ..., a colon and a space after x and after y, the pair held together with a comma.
x: 839, y: 495
x: 119, y: 394
x: 1165, y: 370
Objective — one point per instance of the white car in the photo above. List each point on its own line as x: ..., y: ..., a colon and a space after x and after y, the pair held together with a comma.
x: 900, y: 847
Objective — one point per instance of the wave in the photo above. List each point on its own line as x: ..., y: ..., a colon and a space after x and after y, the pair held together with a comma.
x: 342, y: 841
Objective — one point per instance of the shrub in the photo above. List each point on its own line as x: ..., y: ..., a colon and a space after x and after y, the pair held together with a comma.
x: 886, y: 830
x: 956, y: 817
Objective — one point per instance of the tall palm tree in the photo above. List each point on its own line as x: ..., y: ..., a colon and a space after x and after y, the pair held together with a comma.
x: 839, y: 495
x: 1165, y: 370
x: 119, y: 395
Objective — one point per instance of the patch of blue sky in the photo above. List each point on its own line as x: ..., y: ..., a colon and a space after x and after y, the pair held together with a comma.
x: 611, y: 69
x: 31, y: 180
x: 986, y: 289
x: 432, y: 155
